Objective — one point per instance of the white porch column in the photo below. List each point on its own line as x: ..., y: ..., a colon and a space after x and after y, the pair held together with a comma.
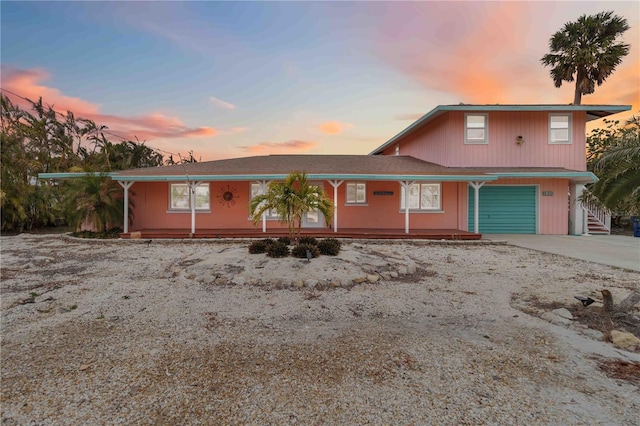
x: 263, y: 188
x: 406, y: 184
x: 126, y: 186
x: 335, y: 183
x: 476, y: 204
x: 576, y: 212
x: 192, y: 193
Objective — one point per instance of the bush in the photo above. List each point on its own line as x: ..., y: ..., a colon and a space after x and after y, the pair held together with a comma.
x: 103, y: 235
x: 257, y: 247
x: 308, y: 240
x: 329, y: 247
x: 285, y: 240
x: 277, y: 249
x: 300, y: 251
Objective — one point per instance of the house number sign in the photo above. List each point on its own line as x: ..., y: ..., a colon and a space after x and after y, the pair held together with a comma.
x: 547, y: 193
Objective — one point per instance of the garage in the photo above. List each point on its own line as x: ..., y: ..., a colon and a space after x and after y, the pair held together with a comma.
x: 508, y: 209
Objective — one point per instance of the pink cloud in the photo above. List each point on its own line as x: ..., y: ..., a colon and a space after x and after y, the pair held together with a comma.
x: 27, y: 83
x: 333, y: 127
x: 220, y: 103
x: 289, y: 147
x: 485, y: 52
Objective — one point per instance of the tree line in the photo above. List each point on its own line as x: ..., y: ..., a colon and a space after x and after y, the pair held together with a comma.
x: 42, y: 140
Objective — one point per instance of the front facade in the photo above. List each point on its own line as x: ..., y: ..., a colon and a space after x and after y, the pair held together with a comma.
x: 476, y: 168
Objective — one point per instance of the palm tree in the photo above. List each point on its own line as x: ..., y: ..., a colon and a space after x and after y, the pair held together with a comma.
x: 94, y: 201
x: 587, y: 51
x: 291, y: 200
x: 619, y: 171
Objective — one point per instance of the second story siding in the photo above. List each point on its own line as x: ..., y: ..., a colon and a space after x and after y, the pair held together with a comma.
x: 442, y: 141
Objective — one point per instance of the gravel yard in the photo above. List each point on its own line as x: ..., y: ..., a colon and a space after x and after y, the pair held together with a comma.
x: 201, y: 332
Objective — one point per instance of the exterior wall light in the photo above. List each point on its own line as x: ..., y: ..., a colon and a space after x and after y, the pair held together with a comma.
x: 520, y: 140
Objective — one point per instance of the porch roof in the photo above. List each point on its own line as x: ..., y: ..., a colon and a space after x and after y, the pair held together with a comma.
x: 327, y: 167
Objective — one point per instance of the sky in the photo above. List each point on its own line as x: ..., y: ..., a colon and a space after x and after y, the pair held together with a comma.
x: 235, y: 79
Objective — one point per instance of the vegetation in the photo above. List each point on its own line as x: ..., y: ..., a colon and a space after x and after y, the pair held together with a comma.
x: 329, y: 247
x: 42, y: 140
x: 308, y: 240
x: 300, y: 251
x: 277, y: 249
x: 285, y: 240
x: 291, y: 200
x: 614, y: 157
x: 111, y: 233
x: 586, y: 51
x: 260, y: 246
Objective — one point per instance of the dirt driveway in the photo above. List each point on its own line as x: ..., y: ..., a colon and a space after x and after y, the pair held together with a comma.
x: 124, y: 332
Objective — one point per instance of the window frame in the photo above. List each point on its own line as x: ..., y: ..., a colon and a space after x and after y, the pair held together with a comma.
x: 271, y: 213
x: 569, y: 139
x: 420, y: 199
x: 171, y: 207
x: 485, y: 140
x: 355, y: 202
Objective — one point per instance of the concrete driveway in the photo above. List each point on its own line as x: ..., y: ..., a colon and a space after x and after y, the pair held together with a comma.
x: 614, y: 250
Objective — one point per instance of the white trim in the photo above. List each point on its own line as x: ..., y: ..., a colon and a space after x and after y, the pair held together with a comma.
x: 569, y: 124
x: 484, y: 141
x: 187, y: 209
x: 346, y: 193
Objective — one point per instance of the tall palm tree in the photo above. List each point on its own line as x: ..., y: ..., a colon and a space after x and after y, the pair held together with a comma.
x: 291, y: 200
x: 586, y: 51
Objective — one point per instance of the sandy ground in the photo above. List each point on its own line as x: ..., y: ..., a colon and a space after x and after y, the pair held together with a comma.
x: 201, y: 332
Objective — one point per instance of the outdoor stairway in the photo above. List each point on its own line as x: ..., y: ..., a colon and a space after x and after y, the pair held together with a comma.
x: 596, y: 226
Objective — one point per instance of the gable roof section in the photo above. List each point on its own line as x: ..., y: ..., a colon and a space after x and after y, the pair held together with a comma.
x: 594, y: 112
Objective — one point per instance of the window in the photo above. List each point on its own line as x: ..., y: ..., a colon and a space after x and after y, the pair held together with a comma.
x: 422, y: 196
x: 179, y: 197
x: 559, y: 128
x: 397, y: 150
x: 356, y: 193
x: 476, y: 128
x: 256, y: 189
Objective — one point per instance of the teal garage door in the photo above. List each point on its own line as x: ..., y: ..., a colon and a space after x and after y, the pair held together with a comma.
x: 504, y: 209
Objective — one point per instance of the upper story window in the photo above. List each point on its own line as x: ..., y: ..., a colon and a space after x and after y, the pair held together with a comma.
x: 356, y: 193
x: 180, y: 197
x: 476, y: 128
x: 559, y: 128
x: 397, y: 150
x: 422, y: 196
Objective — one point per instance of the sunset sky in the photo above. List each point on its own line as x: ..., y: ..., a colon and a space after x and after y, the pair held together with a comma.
x: 237, y: 79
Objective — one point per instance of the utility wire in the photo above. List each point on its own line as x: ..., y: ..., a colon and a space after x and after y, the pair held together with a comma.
x: 108, y: 132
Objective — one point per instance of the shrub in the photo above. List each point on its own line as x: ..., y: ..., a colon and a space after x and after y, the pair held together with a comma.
x: 257, y: 247
x: 300, y: 251
x: 329, y: 247
x: 277, y: 249
x: 285, y: 240
x: 308, y: 240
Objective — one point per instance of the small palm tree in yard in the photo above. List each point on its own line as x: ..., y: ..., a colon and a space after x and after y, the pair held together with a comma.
x: 291, y: 200
x: 94, y: 201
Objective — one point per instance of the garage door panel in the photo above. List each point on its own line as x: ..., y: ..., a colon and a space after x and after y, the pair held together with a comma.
x: 505, y: 210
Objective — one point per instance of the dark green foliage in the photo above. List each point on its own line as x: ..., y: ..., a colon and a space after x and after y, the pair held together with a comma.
x: 268, y: 241
x: 285, y: 240
x: 587, y: 51
x: 41, y: 140
x: 277, y: 249
x: 308, y: 240
x: 257, y: 247
x: 329, y: 247
x: 300, y: 251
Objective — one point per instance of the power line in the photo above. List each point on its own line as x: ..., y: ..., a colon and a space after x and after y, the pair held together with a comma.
x: 108, y: 132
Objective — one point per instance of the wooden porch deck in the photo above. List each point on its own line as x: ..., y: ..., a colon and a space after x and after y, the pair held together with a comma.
x: 424, y: 234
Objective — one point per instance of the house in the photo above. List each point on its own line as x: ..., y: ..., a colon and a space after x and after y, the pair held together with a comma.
x: 460, y: 169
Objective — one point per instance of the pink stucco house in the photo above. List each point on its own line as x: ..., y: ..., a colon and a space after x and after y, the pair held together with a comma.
x: 465, y: 169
